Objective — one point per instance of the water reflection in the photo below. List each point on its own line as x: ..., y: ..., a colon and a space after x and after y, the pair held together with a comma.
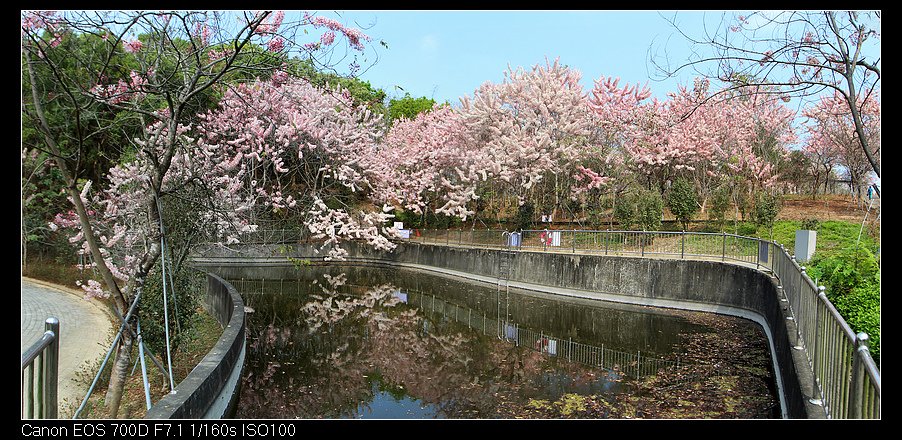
x: 387, y: 343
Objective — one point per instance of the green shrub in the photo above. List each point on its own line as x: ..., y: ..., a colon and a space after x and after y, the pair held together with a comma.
x: 844, y: 270
x: 810, y: 224
x: 851, y: 277
x: 641, y: 210
x: 861, y: 309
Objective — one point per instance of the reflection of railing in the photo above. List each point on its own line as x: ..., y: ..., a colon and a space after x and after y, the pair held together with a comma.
x: 634, y: 364
x: 39, y: 393
x: 628, y: 363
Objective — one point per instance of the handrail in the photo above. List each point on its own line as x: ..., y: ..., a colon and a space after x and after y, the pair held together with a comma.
x: 42, y: 401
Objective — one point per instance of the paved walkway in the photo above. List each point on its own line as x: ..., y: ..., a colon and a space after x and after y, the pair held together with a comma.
x: 86, y: 330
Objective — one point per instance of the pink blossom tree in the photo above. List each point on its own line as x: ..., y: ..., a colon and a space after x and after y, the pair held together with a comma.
x: 798, y: 54
x: 291, y: 148
x: 532, y: 128
x: 179, y: 57
x: 536, y: 127
x: 427, y: 160
x: 690, y: 135
x: 833, y: 137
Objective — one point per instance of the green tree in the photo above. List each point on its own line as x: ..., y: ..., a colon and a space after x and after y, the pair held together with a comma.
x: 525, y: 215
x: 362, y: 91
x: 409, y: 107
x: 720, y: 203
x: 625, y: 212
x: 649, y: 210
x: 640, y: 208
x: 767, y: 206
x: 682, y: 201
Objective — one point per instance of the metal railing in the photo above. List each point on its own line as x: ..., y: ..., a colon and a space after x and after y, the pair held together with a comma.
x: 846, y: 377
x: 847, y: 380
x: 725, y: 247
x: 40, y: 373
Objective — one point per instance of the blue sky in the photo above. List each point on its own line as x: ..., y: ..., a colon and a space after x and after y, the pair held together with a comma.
x: 446, y: 54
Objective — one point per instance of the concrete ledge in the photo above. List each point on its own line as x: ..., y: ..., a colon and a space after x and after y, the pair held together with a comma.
x: 709, y: 286
x: 211, y: 389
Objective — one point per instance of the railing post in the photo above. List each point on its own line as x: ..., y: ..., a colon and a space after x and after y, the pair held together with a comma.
x: 642, y: 243
x: 814, y: 349
x: 858, y: 372
x: 724, y: 254
x: 638, y: 364
x: 683, y: 245
x: 606, y: 236
x: 758, y: 254
x: 52, y: 369
x: 573, y: 240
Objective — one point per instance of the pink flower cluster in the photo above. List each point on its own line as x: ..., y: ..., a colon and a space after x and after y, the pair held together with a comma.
x: 133, y: 46
x: 355, y: 36
x: 122, y: 91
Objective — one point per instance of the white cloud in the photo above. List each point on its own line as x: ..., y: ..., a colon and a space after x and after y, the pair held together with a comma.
x: 429, y: 44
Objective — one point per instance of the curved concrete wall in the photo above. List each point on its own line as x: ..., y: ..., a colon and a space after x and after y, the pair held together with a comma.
x: 684, y: 284
x: 211, y: 389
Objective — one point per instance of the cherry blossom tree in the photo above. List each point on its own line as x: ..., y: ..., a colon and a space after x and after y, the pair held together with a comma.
x: 740, y: 136
x: 833, y: 137
x: 297, y: 149
x: 180, y: 60
x: 536, y: 126
x: 798, y: 54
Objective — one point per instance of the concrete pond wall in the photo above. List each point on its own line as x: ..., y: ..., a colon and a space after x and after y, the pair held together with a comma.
x: 708, y: 286
x: 211, y: 390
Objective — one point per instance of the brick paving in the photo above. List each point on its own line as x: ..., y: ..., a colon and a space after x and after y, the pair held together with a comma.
x: 86, y: 333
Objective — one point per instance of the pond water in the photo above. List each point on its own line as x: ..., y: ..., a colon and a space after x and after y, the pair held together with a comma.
x: 358, y: 342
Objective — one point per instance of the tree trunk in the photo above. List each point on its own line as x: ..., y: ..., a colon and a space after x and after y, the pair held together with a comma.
x: 119, y: 375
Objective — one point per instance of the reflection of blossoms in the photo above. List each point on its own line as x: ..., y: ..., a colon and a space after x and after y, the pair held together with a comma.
x: 361, y: 339
x: 332, y: 309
